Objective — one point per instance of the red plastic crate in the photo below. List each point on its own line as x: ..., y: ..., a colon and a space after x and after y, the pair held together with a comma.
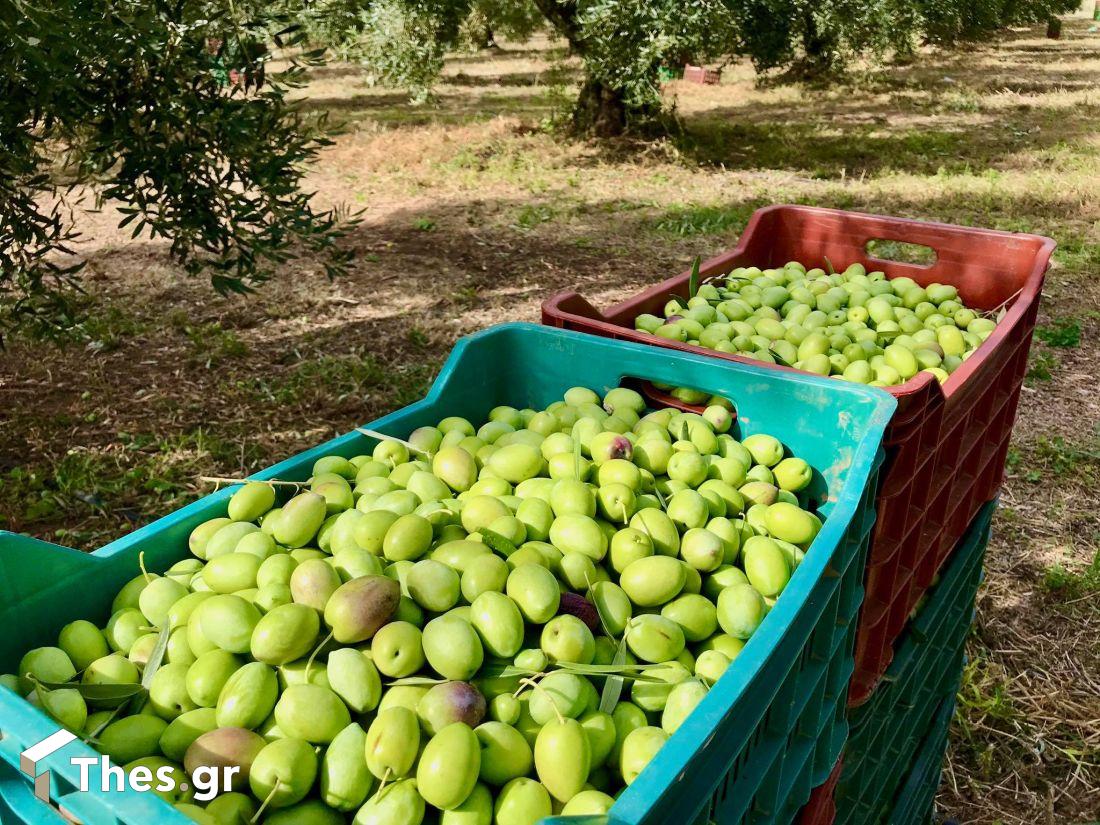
x: 697, y: 74
x: 946, y: 446
x: 821, y: 809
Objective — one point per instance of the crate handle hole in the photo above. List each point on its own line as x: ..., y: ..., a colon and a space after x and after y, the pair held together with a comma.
x: 901, y: 252
x: 660, y: 396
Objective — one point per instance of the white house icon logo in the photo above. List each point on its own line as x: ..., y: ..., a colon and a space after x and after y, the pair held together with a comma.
x: 29, y: 759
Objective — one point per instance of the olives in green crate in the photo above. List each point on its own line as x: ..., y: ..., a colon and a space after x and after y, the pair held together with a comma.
x: 449, y: 767
x: 393, y: 741
x: 653, y: 638
x: 505, y: 754
x: 247, y: 697
x: 185, y: 729
x: 345, y: 781
x: 652, y: 581
x: 251, y: 501
x: 283, y: 772
x: 311, y: 712
x: 562, y: 758
x: 638, y: 749
x: 131, y: 737
x: 740, y: 610
x: 45, y: 664
x: 535, y: 591
x: 284, y: 634
x: 440, y: 649
x: 766, y: 566
x: 353, y: 677
x: 452, y: 647
x: 398, y: 803
x: 300, y: 519
x: 498, y: 622
x: 397, y: 649
x: 450, y: 702
x: 358, y: 608
x: 225, y: 748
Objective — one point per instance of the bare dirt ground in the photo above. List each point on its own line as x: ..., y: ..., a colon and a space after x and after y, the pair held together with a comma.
x: 474, y: 210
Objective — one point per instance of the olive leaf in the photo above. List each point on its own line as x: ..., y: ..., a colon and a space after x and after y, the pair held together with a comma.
x: 829, y: 265
x: 577, y: 458
x: 504, y: 669
x: 602, y: 670
x: 693, y: 280
x: 496, y: 542
x: 661, y: 501
x: 384, y: 437
x: 102, y: 694
x: 92, y: 737
x: 613, y: 685
x: 779, y: 359
x: 156, y: 659
x: 416, y: 681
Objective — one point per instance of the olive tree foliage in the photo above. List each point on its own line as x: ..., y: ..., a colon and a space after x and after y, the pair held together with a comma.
x: 515, y: 20
x: 131, y: 101
x: 947, y: 22
x: 811, y: 38
x: 623, y: 44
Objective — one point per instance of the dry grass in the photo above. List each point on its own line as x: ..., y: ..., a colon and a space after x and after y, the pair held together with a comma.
x: 474, y: 211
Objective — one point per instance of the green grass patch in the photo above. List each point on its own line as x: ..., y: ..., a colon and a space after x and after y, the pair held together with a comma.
x: 1074, y: 584
x: 330, y: 379
x: 685, y: 221
x: 1067, y: 460
x: 1042, y: 366
x: 1065, y: 332
x: 910, y: 253
x: 533, y: 214
x: 984, y: 704
x: 211, y: 344
x: 139, y: 477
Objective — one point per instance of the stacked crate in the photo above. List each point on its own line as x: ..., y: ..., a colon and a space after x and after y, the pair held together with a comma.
x: 945, y: 454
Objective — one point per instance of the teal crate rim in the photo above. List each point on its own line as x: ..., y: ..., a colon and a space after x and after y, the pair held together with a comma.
x: 792, y: 612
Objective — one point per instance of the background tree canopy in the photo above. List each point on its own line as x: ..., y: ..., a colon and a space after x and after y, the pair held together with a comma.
x: 172, y: 109
x: 169, y: 110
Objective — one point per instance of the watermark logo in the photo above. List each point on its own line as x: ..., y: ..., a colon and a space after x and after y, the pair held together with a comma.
x: 29, y: 759
x: 207, y: 782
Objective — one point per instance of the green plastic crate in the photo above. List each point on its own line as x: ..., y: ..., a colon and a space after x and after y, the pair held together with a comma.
x: 917, y: 799
x: 887, y: 732
x: 752, y: 750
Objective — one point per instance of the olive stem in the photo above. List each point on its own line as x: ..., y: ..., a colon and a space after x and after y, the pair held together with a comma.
x: 141, y: 564
x: 660, y: 500
x: 536, y: 686
x: 525, y: 681
x: 263, y: 805
x: 384, y: 437
x: 219, y: 480
x: 316, y: 650
x: 383, y: 780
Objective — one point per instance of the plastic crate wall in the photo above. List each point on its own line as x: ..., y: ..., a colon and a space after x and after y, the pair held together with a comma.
x: 945, y: 447
x: 751, y: 750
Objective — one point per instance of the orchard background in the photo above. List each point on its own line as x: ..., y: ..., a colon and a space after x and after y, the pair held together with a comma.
x: 470, y: 206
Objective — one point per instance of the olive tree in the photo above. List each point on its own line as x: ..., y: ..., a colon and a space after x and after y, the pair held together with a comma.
x: 169, y: 110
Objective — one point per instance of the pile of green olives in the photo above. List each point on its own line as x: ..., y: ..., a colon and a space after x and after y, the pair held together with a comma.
x: 425, y: 631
